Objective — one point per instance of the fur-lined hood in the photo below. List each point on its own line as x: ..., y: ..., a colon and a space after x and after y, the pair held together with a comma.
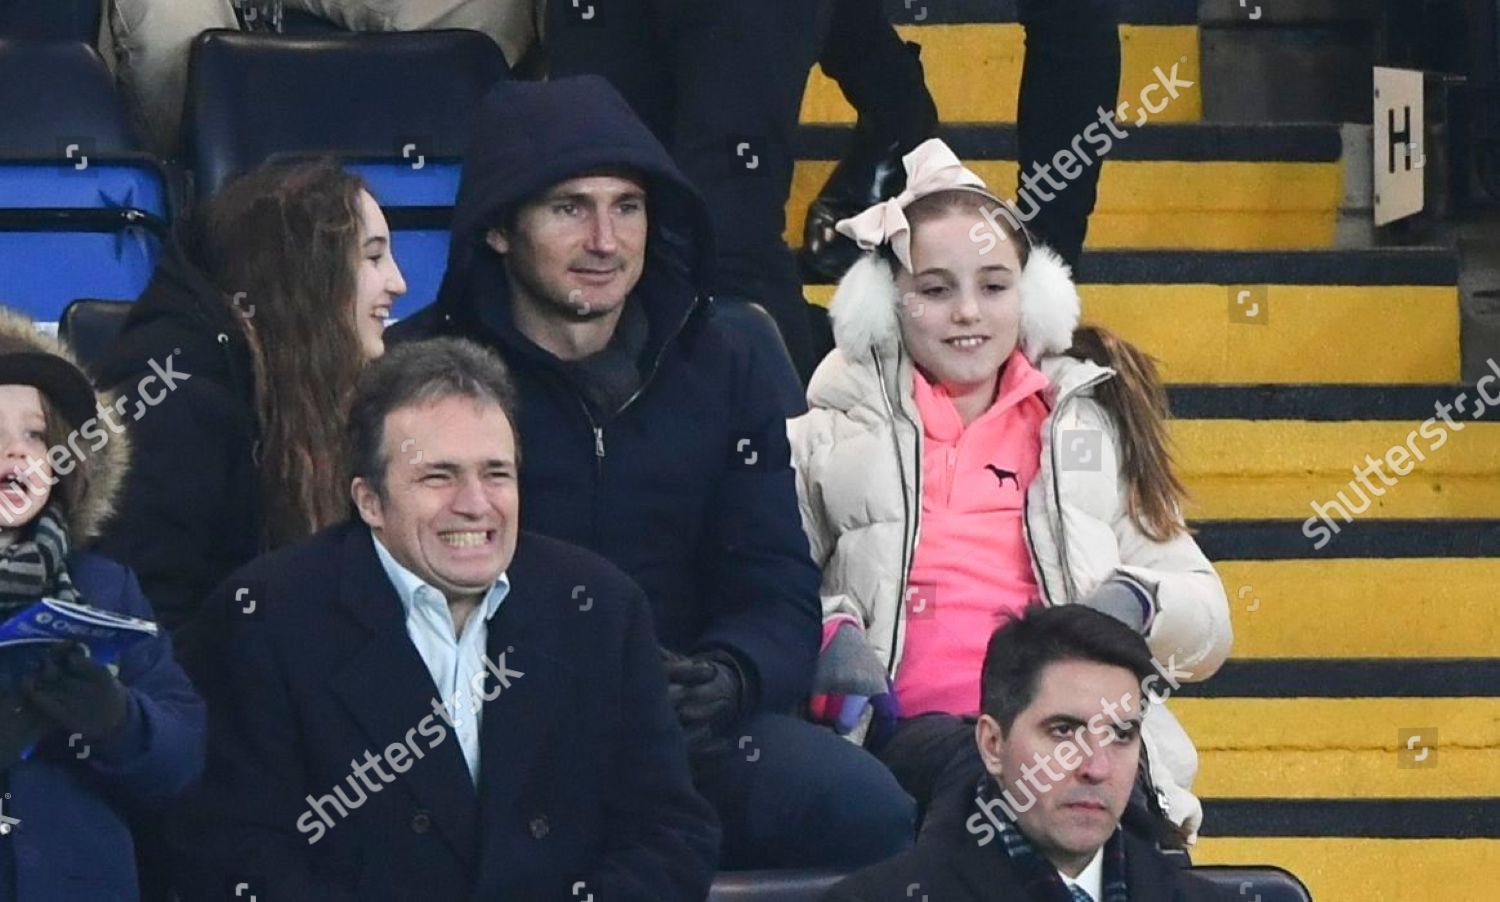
x: 99, y: 474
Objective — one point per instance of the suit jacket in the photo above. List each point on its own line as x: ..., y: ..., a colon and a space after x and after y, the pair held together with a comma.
x: 583, y: 774
x: 949, y: 865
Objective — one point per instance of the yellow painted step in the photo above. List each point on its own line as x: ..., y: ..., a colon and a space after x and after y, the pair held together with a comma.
x: 974, y: 72
x: 1343, y: 747
x: 1344, y: 774
x: 1168, y: 204
x: 1280, y: 469
x: 1407, y: 607
x: 1369, y: 870
x: 1310, y: 333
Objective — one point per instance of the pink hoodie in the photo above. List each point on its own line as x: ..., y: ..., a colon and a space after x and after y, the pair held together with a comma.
x: 971, y: 570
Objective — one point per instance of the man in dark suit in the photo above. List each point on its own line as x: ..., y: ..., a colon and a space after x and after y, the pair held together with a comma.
x: 1059, y: 734
x: 432, y: 703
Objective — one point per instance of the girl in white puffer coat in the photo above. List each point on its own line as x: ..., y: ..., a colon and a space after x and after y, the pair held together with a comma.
x: 969, y: 450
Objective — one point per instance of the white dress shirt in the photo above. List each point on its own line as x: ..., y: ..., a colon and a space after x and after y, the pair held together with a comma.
x: 1091, y: 878
x: 452, y: 660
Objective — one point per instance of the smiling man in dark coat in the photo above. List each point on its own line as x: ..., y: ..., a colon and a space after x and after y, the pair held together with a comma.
x: 653, y: 423
x: 432, y: 703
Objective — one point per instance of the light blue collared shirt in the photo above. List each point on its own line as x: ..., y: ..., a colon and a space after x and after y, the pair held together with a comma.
x: 457, y: 664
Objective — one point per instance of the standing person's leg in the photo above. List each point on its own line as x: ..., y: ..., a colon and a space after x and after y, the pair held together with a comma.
x: 739, y: 71
x: 791, y: 794
x: 152, y: 41
x: 1072, y: 69
x: 881, y: 76
x: 620, y: 40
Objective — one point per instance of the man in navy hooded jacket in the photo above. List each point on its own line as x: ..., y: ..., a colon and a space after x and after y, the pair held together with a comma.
x: 652, y: 424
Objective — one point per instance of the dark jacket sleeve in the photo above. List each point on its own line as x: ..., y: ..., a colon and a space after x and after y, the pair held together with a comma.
x: 159, y: 753
x: 178, y: 521
x: 764, y: 585
x: 240, y: 819
x: 663, y: 837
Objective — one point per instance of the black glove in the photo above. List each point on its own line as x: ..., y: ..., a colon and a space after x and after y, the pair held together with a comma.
x: 707, y: 692
x: 79, y: 694
x: 21, y: 726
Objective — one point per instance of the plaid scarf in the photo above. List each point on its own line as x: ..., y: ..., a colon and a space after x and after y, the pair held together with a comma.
x: 1040, y: 877
x: 36, y: 566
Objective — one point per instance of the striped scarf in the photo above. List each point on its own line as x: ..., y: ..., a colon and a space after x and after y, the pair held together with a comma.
x: 1040, y: 877
x: 36, y: 566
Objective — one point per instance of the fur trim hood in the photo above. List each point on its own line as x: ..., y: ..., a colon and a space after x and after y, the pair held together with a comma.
x: 98, y: 475
x: 865, y: 305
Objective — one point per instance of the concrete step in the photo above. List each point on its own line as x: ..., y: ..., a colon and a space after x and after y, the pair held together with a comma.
x: 1345, y: 869
x: 1166, y: 186
x: 1407, y: 607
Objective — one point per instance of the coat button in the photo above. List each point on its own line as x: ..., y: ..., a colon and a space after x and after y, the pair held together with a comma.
x: 421, y: 822
x: 540, y: 827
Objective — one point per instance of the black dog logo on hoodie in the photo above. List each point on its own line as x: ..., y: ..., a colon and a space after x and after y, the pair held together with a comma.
x: 1003, y: 475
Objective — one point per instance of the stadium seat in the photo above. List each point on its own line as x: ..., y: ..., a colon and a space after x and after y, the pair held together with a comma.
x: 773, y: 886
x: 82, y: 208
x: 91, y: 326
x: 755, y: 322
x: 417, y: 196
x: 51, y: 20
x: 1258, y: 884
x: 405, y: 96
x: 395, y: 107
x: 55, y: 92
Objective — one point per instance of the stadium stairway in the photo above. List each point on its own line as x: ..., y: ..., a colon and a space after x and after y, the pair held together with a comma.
x: 1354, y: 735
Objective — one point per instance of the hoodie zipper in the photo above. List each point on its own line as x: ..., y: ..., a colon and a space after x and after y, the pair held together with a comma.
x: 597, y: 428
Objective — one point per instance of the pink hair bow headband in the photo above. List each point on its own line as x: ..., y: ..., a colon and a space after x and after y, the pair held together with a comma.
x: 930, y: 167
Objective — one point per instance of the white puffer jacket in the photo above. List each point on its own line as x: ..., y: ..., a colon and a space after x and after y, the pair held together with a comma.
x: 857, y: 454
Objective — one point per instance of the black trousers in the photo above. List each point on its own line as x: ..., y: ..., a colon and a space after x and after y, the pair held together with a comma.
x: 876, y: 72
x: 1072, y: 69
x: 721, y: 84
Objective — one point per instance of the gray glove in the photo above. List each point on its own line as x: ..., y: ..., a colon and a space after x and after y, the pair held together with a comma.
x: 1124, y: 598
x: 848, y: 666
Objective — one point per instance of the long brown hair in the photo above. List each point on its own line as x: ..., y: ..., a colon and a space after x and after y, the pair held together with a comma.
x: 282, y: 243
x: 1138, y: 402
x: 1134, y: 397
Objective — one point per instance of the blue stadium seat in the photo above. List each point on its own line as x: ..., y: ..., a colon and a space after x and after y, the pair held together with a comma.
x: 51, y: 20
x: 1264, y: 884
x: 56, y: 93
x: 82, y: 208
x: 395, y: 107
x: 357, y: 95
x: 417, y: 195
x: 90, y: 327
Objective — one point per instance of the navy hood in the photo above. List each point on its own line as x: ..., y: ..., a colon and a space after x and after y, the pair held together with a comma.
x: 531, y: 135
